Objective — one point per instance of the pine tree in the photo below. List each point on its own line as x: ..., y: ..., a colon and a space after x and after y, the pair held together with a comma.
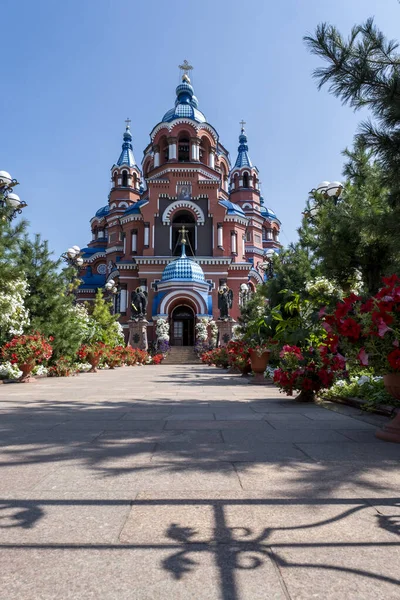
x: 359, y: 233
x: 51, y: 307
x: 364, y: 71
x: 10, y: 238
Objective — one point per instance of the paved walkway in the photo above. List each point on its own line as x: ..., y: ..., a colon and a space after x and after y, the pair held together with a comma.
x: 162, y: 482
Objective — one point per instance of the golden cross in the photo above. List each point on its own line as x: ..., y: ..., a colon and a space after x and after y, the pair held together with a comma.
x: 128, y: 122
x: 242, y: 123
x: 186, y: 67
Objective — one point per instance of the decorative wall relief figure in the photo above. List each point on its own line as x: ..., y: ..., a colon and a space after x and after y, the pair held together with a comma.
x: 225, y: 301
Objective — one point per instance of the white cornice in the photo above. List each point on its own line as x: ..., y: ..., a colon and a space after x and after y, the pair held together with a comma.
x: 195, y: 168
x: 94, y: 257
x: 114, y: 249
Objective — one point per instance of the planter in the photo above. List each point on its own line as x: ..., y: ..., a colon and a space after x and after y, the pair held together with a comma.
x: 306, y: 396
x: 94, y: 362
x: 26, y: 369
x: 391, y: 431
x: 259, y: 363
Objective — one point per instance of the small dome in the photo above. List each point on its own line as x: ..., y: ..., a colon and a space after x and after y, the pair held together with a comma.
x: 183, y: 268
x: 104, y: 210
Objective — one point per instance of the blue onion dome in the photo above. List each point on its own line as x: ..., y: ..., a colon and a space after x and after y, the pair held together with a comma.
x: 183, y: 268
x: 186, y: 104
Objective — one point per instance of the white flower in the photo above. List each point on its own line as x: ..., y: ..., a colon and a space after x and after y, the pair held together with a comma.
x: 9, y: 371
x: 363, y: 379
x: 14, y: 317
x: 162, y: 330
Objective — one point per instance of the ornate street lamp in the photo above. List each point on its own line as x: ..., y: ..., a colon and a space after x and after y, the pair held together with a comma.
x: 326, y: 191
x: 267, y: 266
x: 73, y: 257
x: 112, y: 286
x: 10, y: 202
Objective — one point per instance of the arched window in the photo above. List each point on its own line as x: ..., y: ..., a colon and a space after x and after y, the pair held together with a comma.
x: 183, y: 217
x: 124, y: 179
x: 245, y: 180
x: 184, y: 149
x: 164, y: 150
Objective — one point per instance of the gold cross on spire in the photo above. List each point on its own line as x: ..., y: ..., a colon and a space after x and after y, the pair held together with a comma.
x: 182, y: 232
x: 185, y: 67
x: 242, y: 123
x: 128, y: 122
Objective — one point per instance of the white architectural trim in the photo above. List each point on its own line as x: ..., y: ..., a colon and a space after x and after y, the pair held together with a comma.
x: 166, y: 218
x: 182, y: 294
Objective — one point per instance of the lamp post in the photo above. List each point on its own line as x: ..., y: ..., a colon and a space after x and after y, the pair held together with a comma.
x: 10, y: 202
x: 112, y: 287
x: 267, y: 266
x: 326, y: 191
x: 73, y: 257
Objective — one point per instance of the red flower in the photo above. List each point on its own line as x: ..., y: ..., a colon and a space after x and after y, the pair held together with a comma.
x: 350, y: 328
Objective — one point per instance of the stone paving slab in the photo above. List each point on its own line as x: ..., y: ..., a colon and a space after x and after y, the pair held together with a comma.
x: 215, y: 475
x: 159, y: 482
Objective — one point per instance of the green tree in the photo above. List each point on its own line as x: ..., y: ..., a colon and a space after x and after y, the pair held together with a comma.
x: 50, y: 305
x: 358, y: 233
x: 364, y: 72
x: 106, y: 328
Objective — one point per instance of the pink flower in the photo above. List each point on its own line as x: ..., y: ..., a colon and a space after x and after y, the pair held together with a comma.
x: 363, y: 357
x: 327, y: 327
x: 382, y: 328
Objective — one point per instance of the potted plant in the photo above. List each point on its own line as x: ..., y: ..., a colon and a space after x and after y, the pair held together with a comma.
x: 369, y: 332
x: 92, y: 352
x: 308, y: 371
x: 26, y: 351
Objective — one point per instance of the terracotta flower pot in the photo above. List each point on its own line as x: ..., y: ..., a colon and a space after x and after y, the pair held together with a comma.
x: 391, y: 431
x: 94, y: 362
x: 26, y: 369
x: 258, y: 365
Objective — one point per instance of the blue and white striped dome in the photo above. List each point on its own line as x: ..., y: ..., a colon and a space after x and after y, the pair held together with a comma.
x: 183, y: 268
x: 186, y: 105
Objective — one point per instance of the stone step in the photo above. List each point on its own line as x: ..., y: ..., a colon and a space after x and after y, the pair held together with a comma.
x: 181, y: 355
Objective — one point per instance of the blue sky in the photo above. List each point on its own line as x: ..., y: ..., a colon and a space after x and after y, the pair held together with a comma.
x: 73, y: 71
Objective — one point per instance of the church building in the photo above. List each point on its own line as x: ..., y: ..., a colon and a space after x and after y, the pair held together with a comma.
x: 182, y: 227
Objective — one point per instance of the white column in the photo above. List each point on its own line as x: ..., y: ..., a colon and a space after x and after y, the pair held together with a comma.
x: 147, y: 235
x: 122, y: 305
x: 194, y: 151
x: 172, y: 151
x: 240, y: 182
x: 244, y: 245
x: 124, y: 237
x: 119, y: 180
x: 156, y: 159
x: 211, y: 160
x: 134, y: 241
x: 219, y: 236
x: 233, y: 243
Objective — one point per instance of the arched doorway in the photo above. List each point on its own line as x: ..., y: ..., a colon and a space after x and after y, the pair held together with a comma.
x: 182, y: 326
